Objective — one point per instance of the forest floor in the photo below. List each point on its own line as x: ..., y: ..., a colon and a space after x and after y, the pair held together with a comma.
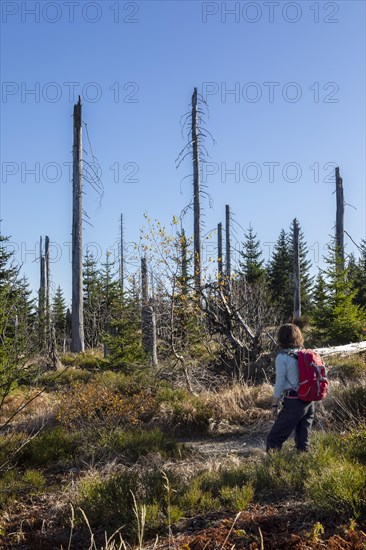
x: 32, y: 524
x: 42, y: 520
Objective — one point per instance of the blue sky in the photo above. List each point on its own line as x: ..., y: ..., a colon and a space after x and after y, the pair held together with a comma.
x: 298, y: 73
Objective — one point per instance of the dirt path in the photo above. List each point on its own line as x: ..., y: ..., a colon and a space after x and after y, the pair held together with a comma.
x: 223, y: 447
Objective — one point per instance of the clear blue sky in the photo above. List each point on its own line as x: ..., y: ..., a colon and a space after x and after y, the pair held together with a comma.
x: 152, y: 54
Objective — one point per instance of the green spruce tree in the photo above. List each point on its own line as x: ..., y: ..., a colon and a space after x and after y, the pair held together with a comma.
x: 280, y: 277
x: 251, y: 263
x: 58, y: 316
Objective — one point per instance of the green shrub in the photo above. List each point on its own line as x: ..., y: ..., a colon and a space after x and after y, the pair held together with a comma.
x: 9, y: 444
x: 348, y: 404
x: 229, y: 489
x: 338, y: 488
x: 49, y: 447
x: 348, y: 368
x: 109, y: 501
x: 14, y: 485
x: 133, y: 444
x: 182, y: 412
x: 354, y: 444
x: 280, y: 474
x: 88, y: 360
x: 67, y: 377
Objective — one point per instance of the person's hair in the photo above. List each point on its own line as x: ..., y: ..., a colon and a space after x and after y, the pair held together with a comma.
x: 290, y: 336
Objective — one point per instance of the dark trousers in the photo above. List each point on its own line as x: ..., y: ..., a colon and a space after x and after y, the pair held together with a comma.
x: 295, y: 415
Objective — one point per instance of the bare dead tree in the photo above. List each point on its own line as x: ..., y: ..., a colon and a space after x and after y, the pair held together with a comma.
x: 339, y: 220
x: 297, y: 295
x: 148, y: 321
x: 121, y: 257
x: 219, y: 252
x: 77, y: 329
x: 196, y: 196
x: 228, y: 249
x: 184, y: 263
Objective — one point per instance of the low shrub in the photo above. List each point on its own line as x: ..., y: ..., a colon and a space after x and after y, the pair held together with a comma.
x: 66, y: 377
x: 129, y: 446
x: 280, y: 474
x: 14, y: 486
x: 348, y: 404
x: 109, y: 501
x: 92, y: 360
x: 181, y: 412
x: 212, y: 491
x: 348, y: 368
x: 338, y: 488
x: 94, y: 404
x: 51, y: 447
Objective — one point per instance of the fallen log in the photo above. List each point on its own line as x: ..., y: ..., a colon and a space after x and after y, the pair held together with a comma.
x: 347, y: 349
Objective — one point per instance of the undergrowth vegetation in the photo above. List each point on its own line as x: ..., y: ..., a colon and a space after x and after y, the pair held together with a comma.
x: 118, y: 436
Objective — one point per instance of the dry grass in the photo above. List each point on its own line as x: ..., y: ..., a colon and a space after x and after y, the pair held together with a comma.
x: 39, y: 410
x: 241, y: 404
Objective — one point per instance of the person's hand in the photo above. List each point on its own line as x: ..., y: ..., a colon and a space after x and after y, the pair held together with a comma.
x: 274, y: 412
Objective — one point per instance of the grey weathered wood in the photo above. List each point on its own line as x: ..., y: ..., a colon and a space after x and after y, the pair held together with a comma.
x: 228, y: 248
x: 184, y: 262
x: 297, y: 294
x: 347, y: 349
x: 196, y: 197
x: 219, y: 252
x: 42, y: 280
x: 47, y: 287
x: 339, y: 220
x: 148, y: 321
x: 77, y: 323
x: 122, y: 258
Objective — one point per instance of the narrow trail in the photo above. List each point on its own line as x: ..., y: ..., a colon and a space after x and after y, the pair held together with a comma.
x: 220, y: 448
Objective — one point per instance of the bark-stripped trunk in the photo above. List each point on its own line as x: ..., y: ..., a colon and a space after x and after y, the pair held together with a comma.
x: 184, y: 263
x: 122, y: 258
x: 219, y: 252
x: 148, y: 322
x: 196, y: 198
x: 77, y: 329
x: 47, y: 289
x: 297, y: 295
x: 42, y: 298
x: 228, y: 251
x: 339, y: 221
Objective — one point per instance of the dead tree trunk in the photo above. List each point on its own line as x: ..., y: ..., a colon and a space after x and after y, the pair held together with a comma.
x: 148, y: 323
x: 122, y: 259
x: 196, y: 197
x: 47, y: 290
x: 184, y: 263
x: 297, y: 295
x: 339, y: 221
x: 77, y: 327
x: 42, y: 298
x: 219, y: 252
x: 228, y: 251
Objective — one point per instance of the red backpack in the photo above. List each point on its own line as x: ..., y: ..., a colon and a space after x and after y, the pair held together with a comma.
x: 313, y: 382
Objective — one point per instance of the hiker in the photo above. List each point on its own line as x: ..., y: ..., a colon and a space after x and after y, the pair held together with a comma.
x: 295, y: 414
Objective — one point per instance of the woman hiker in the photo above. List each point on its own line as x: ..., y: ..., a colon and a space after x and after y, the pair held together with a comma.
x: 295, y: 414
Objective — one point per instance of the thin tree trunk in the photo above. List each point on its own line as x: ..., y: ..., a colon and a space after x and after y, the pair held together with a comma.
x: 297, y: 295
x: 77, y: 330
x: 219, y: 252
x: 47, y: 290
x: 42, y: 298
x: 122, y: 259
x: 339, y: 221
x: 196, y: 198
x: 148, y: 322
x: 184, y: 263
x: 228, y: 251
